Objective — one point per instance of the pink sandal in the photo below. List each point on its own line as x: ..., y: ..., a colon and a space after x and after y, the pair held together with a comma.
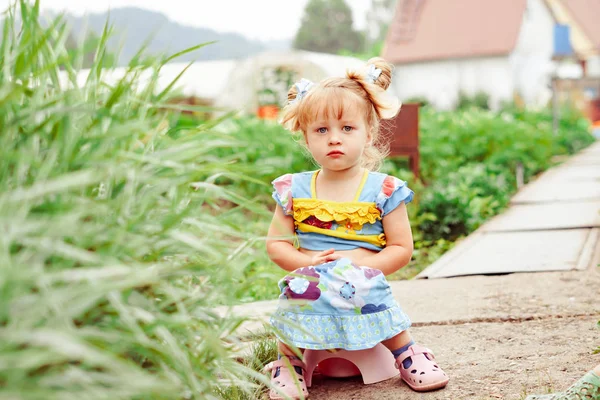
x: 423, y: 374
x: 289, y: 386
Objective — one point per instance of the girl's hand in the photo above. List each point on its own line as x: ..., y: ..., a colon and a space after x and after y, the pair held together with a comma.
x: 325, y: 257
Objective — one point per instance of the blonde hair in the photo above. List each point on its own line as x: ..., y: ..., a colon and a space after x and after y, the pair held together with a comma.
x: 332, y: 96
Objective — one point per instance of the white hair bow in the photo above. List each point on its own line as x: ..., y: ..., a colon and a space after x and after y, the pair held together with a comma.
x: 373, y: 73
x: 303, y: 87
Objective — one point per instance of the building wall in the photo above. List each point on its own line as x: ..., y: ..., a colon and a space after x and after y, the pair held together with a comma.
x: 593, y: 66
x: 531, y: 61
x: 525, y: 72
x: 441, y: 82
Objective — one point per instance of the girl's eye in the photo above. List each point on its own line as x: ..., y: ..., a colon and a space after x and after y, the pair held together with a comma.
x: 322, y: 130
x: 347, y: 128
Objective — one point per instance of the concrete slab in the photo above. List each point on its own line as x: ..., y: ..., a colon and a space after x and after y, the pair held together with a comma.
x: 582, y: 187
x: 568, y: 172
x: 523, y: 217
x: 592, y: 149
x: 565, y: 182
x: 589, y: 155
x: 584, y: 159
x: 507, y: 252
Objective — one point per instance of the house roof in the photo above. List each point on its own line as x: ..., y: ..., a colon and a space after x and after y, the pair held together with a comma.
x: 586, y: 13
x: 427, y: 30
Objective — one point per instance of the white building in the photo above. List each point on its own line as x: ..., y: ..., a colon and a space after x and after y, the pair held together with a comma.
x: 442, y: 48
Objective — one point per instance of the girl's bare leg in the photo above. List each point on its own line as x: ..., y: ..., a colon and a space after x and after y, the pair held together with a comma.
x: 398, y: 341
x: 287, y: 351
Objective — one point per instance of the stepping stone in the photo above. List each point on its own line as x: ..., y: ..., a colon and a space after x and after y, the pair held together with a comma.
x: 575, y: 190
x: 543, y: 216
x: 508, y: 252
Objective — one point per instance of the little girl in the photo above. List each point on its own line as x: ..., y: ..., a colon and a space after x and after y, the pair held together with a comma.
x: 339, y: 231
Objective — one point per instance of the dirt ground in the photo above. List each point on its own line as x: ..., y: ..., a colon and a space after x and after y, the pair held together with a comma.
x: 491, y: 360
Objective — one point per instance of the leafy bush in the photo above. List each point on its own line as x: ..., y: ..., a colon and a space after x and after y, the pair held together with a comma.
x: 421, y: 100
x: 479, y: 100
x: 461, y: 201
x: 449, y: 140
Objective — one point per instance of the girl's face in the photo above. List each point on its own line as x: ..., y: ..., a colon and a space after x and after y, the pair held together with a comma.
x: 337, y: 144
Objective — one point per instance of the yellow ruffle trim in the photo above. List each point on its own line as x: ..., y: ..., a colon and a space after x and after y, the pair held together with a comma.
x: 356, y: 212
x: 377, y: 240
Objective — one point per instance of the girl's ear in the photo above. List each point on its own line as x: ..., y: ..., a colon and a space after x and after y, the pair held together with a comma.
x: 369, y: 138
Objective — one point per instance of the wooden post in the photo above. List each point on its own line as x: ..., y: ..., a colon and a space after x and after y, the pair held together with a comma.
x: 404, y: 140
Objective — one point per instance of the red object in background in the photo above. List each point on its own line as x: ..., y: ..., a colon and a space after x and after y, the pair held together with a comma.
x: 268, y: 112
x: 594, y: 110
x: 404, y: 130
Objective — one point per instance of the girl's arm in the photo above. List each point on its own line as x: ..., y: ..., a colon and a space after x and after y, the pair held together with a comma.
x: 281, y: 249
x: 398, y: 250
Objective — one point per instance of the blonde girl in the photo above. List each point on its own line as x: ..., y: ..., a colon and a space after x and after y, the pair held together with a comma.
x: 340, y: 230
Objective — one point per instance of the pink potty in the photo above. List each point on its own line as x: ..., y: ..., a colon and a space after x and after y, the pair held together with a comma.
x: 375, y: 364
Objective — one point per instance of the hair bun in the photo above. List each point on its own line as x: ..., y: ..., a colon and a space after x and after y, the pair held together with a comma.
x: 385, y: 78
x: 292, y: 93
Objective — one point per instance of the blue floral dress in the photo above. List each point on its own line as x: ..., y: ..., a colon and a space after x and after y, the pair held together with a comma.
x: 338, y: 305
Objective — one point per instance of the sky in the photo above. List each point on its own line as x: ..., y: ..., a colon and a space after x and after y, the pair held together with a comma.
x: 255, y: 19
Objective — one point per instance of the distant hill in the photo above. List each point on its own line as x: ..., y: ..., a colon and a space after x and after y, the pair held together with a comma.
x: 134, y: 26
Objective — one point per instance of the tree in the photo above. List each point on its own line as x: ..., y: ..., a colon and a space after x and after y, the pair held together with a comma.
x: 327, y: 27
x: 87, y: 51
x: 379, y: 18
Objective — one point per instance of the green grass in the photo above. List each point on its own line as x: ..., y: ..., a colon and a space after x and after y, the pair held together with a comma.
x: 113, y: 254
x: 260, y: 352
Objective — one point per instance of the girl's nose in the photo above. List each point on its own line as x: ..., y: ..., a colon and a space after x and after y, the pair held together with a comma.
x: 334, y: 138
